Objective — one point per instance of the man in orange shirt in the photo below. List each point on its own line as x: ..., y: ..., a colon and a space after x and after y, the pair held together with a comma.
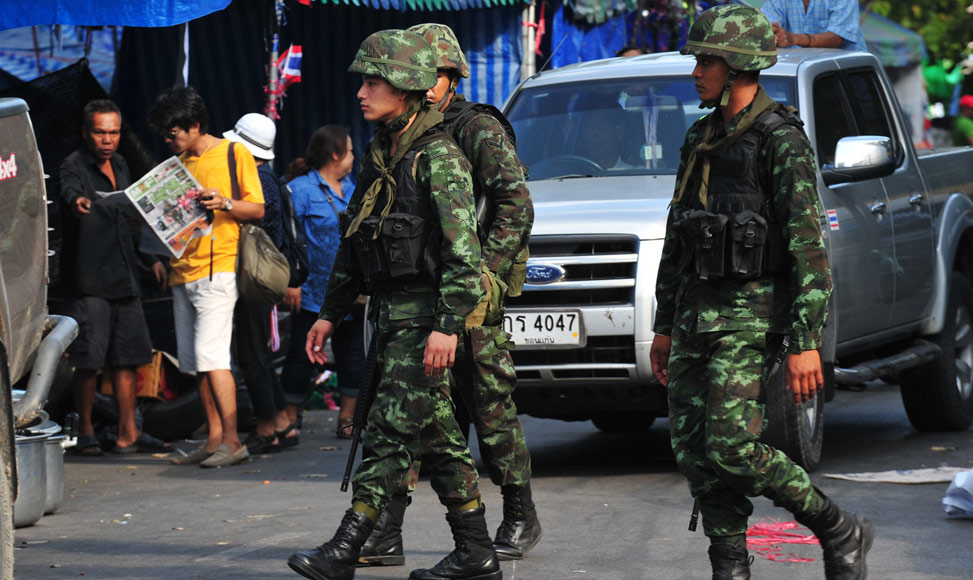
x: 204, y: 280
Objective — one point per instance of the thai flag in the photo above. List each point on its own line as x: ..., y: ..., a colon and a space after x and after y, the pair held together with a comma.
x: 833, y: 219
x: 289, y: 65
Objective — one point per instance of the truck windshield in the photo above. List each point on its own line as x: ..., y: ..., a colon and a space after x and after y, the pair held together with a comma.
x: 632, y: 126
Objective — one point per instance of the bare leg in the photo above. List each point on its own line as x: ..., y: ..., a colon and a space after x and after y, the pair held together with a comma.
x: 84, y: 399
x: 212, y: 413
x: 347, y: 405
x: 281, y: 420
x: 224, y: 390
x: 124, y: 384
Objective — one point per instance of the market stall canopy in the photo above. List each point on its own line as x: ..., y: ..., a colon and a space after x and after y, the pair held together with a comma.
x: 19, y: 13
x: 416, y: 5
x: 893, y: 44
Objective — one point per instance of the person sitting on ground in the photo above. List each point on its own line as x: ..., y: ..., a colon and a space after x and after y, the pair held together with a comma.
x: 101, y: 268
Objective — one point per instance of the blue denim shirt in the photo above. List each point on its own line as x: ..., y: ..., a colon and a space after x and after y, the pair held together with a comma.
x: 838, y: 16
x: 320, y: 221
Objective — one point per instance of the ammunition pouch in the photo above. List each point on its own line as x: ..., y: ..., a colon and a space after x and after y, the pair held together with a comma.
x: 405, y: 250
x: 717, y: 246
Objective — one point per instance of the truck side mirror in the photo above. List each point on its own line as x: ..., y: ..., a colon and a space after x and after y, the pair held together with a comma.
x: 858, y: 158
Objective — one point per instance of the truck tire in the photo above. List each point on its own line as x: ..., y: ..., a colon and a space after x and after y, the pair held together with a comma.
x: 938, y: 396
x: 797, y: 430
x: 6, y: 523
x: 7, y: 475
x: 620, y: 422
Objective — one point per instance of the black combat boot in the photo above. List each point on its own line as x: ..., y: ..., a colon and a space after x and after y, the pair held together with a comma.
x: 473, y: 558
x: 520, y: 529
x: 730, y: 562
x: 336, y: 559
x: 845, y: 538
x: 384, y: 546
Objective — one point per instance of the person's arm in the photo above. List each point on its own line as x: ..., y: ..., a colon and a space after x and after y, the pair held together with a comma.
x: 73, y: 187
x: 796, y: 205
x: 496, y: 167
x: 785, y: 38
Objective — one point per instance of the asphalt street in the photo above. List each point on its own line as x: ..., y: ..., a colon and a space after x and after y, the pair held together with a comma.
x: 612, y: 507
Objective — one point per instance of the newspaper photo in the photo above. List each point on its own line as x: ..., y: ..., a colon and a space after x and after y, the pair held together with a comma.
x: 166, y: 198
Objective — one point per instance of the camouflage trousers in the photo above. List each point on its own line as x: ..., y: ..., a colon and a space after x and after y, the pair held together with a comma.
x: 412, y: 413
x: 716, y: 415
x: 484, y: 380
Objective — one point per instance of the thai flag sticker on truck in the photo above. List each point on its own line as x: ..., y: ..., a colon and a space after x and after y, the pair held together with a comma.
x: 833, y: 219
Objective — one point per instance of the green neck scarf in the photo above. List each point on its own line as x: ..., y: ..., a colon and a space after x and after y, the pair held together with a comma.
x: 710, y: 147
x: 426, y: 118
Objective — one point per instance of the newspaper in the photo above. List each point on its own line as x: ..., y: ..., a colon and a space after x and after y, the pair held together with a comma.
x: 166, y: 198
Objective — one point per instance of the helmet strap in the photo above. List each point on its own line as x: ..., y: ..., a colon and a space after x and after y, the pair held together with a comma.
x: 730, y: 78
x: 448, y: 97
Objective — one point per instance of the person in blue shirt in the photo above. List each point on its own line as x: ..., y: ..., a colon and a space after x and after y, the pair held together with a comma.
x: 321, y: 187
x: 815, y: 23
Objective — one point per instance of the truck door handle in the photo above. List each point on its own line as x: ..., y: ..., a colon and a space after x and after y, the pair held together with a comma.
x: 878, y: 207
x: 916, y: 198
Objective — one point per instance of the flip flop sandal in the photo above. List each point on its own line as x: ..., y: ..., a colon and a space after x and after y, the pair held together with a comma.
x: 88, y: 446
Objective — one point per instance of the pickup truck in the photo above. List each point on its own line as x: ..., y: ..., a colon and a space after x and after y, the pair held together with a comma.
x: 602, y: 143
x: 31, y: 341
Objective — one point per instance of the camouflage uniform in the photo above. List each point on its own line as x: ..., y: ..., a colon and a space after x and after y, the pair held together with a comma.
x: 411, y: 411
x: 726, y: 332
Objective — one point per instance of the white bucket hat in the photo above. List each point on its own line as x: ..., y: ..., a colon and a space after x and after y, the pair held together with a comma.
x: 256, y: 132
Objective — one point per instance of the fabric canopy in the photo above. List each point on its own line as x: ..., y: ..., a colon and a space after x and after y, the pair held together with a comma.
x: 20, y: 13
x: 893, y: 44
x: 417, y: 5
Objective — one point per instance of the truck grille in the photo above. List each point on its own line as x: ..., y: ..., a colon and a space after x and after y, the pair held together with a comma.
x: 598, y: 269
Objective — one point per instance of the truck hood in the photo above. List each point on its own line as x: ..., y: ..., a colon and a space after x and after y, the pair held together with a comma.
x: 631, y: 204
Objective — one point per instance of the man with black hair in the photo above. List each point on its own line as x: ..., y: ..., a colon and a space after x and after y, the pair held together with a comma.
x: 204, y: 279
x: 101, y: 270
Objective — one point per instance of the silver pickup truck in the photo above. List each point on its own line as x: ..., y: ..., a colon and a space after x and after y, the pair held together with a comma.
x: 602, y: 142
x: 31, y: 341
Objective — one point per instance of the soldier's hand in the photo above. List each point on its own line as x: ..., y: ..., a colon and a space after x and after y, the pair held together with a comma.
x: 804, y: 376
x: 440, y: 353
x: 316, y: 337
x: 659, y: 355
x: 161, y: 275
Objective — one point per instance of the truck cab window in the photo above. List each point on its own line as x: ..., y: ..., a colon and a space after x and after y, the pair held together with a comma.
x: 831, y: 120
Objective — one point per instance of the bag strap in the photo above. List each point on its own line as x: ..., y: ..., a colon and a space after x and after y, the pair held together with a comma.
x: 231, y: 161
x: 327, y: 196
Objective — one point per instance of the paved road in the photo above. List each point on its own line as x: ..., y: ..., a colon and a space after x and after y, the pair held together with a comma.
x: 613, y: 508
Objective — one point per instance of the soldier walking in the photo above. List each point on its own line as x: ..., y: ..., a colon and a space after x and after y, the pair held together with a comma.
x: 409, y: 240
x: 483, y: 376
x: 744, y: 271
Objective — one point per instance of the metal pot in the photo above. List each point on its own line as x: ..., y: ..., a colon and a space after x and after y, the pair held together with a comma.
x: 54, y: 457
x: 31, y: 479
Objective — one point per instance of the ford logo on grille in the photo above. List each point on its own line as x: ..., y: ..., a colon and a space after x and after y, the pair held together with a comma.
x: 544, y: 274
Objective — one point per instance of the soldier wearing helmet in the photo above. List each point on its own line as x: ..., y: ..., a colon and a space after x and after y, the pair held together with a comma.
x: 483, y: 376
x: 743, y: 282
x: 409, y: 241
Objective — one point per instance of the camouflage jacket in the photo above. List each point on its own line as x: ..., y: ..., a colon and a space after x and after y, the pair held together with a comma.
x: 444, y: 172
x: 498, y: 174
x: 794, y: 302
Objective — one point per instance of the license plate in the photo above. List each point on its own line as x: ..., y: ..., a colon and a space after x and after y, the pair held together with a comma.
x: 545, y: 329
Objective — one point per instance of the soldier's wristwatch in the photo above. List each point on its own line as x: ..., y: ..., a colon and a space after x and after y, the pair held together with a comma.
x: 229, y: 205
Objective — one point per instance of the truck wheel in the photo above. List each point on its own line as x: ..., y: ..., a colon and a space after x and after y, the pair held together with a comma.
x: 797, y: 430
x: 939, y: 396
x: 623, y: 422
x: 6, y: 478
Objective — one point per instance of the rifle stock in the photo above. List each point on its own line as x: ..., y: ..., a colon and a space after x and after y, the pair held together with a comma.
x: 366, y: 396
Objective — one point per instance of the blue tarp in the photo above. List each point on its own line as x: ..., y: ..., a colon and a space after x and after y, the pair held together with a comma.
x: 18, y: 13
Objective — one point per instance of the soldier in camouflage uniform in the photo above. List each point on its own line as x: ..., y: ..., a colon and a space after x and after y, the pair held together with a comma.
x: 746, y: 180
x: 483, y: 376
x: 409, y: 240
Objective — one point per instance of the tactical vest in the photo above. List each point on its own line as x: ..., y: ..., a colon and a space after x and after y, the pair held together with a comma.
x: 738, y: 236
x: 406, y: 251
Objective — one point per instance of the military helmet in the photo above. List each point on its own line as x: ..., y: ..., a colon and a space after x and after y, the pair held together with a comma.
x: 401, y: 57
x: 449, y: 55
x: 740, y: 35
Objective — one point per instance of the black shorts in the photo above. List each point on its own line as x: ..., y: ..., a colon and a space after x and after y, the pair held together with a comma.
x: 110, y: 333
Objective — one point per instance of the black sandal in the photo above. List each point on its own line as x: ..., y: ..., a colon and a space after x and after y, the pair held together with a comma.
x: 257, y: 443
x: 283, y: 441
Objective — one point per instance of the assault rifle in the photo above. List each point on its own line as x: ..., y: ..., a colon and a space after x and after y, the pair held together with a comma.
x: 366, y: 396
